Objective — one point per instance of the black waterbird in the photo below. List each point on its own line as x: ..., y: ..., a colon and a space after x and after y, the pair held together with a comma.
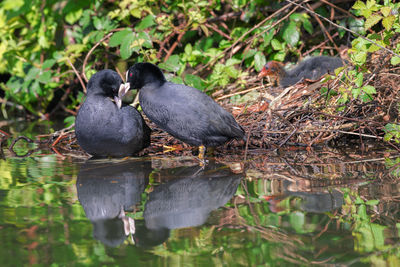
x: 184, y: 112
x: 106, y: 128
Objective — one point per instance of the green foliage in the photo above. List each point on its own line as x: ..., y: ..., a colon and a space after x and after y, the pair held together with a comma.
x: 392, y: 131
x: 40, y: 40
x: 381, y: 21
x: 393, y: 165
x: 353, y: 86
x: 369, y: 236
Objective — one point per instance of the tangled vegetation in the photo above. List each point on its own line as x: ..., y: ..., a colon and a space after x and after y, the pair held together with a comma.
x: 50, y: 48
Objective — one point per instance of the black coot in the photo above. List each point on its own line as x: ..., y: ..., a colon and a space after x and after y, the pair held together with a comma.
x: 102, y: 127
x: 184, y: 112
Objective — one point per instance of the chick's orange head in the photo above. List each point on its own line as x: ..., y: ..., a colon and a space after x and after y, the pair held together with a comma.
x: 272, y: 68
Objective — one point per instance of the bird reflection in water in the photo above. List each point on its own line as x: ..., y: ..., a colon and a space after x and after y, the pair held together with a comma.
x: 185, y: 198
x: 106, y: 190
x: 314, y: 201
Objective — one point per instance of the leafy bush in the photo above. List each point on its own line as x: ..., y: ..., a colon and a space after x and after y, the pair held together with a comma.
x: 205, y: 44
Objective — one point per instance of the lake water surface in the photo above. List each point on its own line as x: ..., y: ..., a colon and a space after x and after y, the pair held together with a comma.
x: 283, y: 208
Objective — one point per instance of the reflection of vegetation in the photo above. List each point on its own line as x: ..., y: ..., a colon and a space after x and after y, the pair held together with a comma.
x: 393, y: 165
x: 330, y: 231
x: 268, y: 221
x: 370, y: 237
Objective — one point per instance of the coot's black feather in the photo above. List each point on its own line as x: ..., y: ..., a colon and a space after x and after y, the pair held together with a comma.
x: 185, y: 112
x: 102, y: 129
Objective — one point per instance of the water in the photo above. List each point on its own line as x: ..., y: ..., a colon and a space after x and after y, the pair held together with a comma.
x: 276, y: 209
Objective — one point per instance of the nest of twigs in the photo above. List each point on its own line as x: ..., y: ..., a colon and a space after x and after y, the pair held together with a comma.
x: 298, y: 115
x: 301, y: 115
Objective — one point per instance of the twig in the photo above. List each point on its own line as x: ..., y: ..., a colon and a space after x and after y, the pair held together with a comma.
x: 9, y: 103
x: 162, y: 44
x: 360, y: 134
x: 225, y: 17
x: 325, y: 30
x: 268, y: 96
x: 276, y: 99
x: 273, y: 25
x: 339, y: 8
x: 174, y: 45
x: 320, y: 45
x: 77, y: 75
x: 61, y: 136
x: 344, y: 28
x: 215, y: 28
x: 288, y: 137
x: 91, y: 51
x: 4, y: 133
x: 241, y: 38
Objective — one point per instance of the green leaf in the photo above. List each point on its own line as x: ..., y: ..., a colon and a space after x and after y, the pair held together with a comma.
x: 372, y: 202
x: 69, y: 121
x: 371, y: 21
x: 268, y: 36
x: 32, y: 74
x: 98, y: 35
x: 297, y: 221
x: 279, y: 56
x: 249, y: 53
x: 195, y: 81
x: 231, y: 71
x: 143, y: 40
x: 359, y: 80
x: 12, y: 4
x: 48, y: 63
x: 387, y: 137
x: 259, y: 61
x: 371, y: 4
x: 357, y: 25
x: 308, y: 26
x: 356, y: 92
x: 148, y: 21
x: 276, y: 45
x: 172, y: 64
x: 35, y: 88
x: 232, y: 61
x: 387, y: 22
x: 358, y: 201
x: 386, y: 10
x: 374, y: 48
x: 296, y: 17
x: 359, y: 57
x: 177, y: 79
x: 188, y: 49
x: 395, y: 60
x: 369, y: 89
x: 97, y: 23
x: 291, y: 34
x: 126, y: 50
x: 359, y: 5
x: 116, y: 38
x: 366, y: 97
x: 362, y: 212
x: 73, y: 16
x: 45, y: 77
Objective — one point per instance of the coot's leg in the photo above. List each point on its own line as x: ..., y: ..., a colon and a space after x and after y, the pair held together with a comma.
x: 202, y: 151
x: 168, y: 148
